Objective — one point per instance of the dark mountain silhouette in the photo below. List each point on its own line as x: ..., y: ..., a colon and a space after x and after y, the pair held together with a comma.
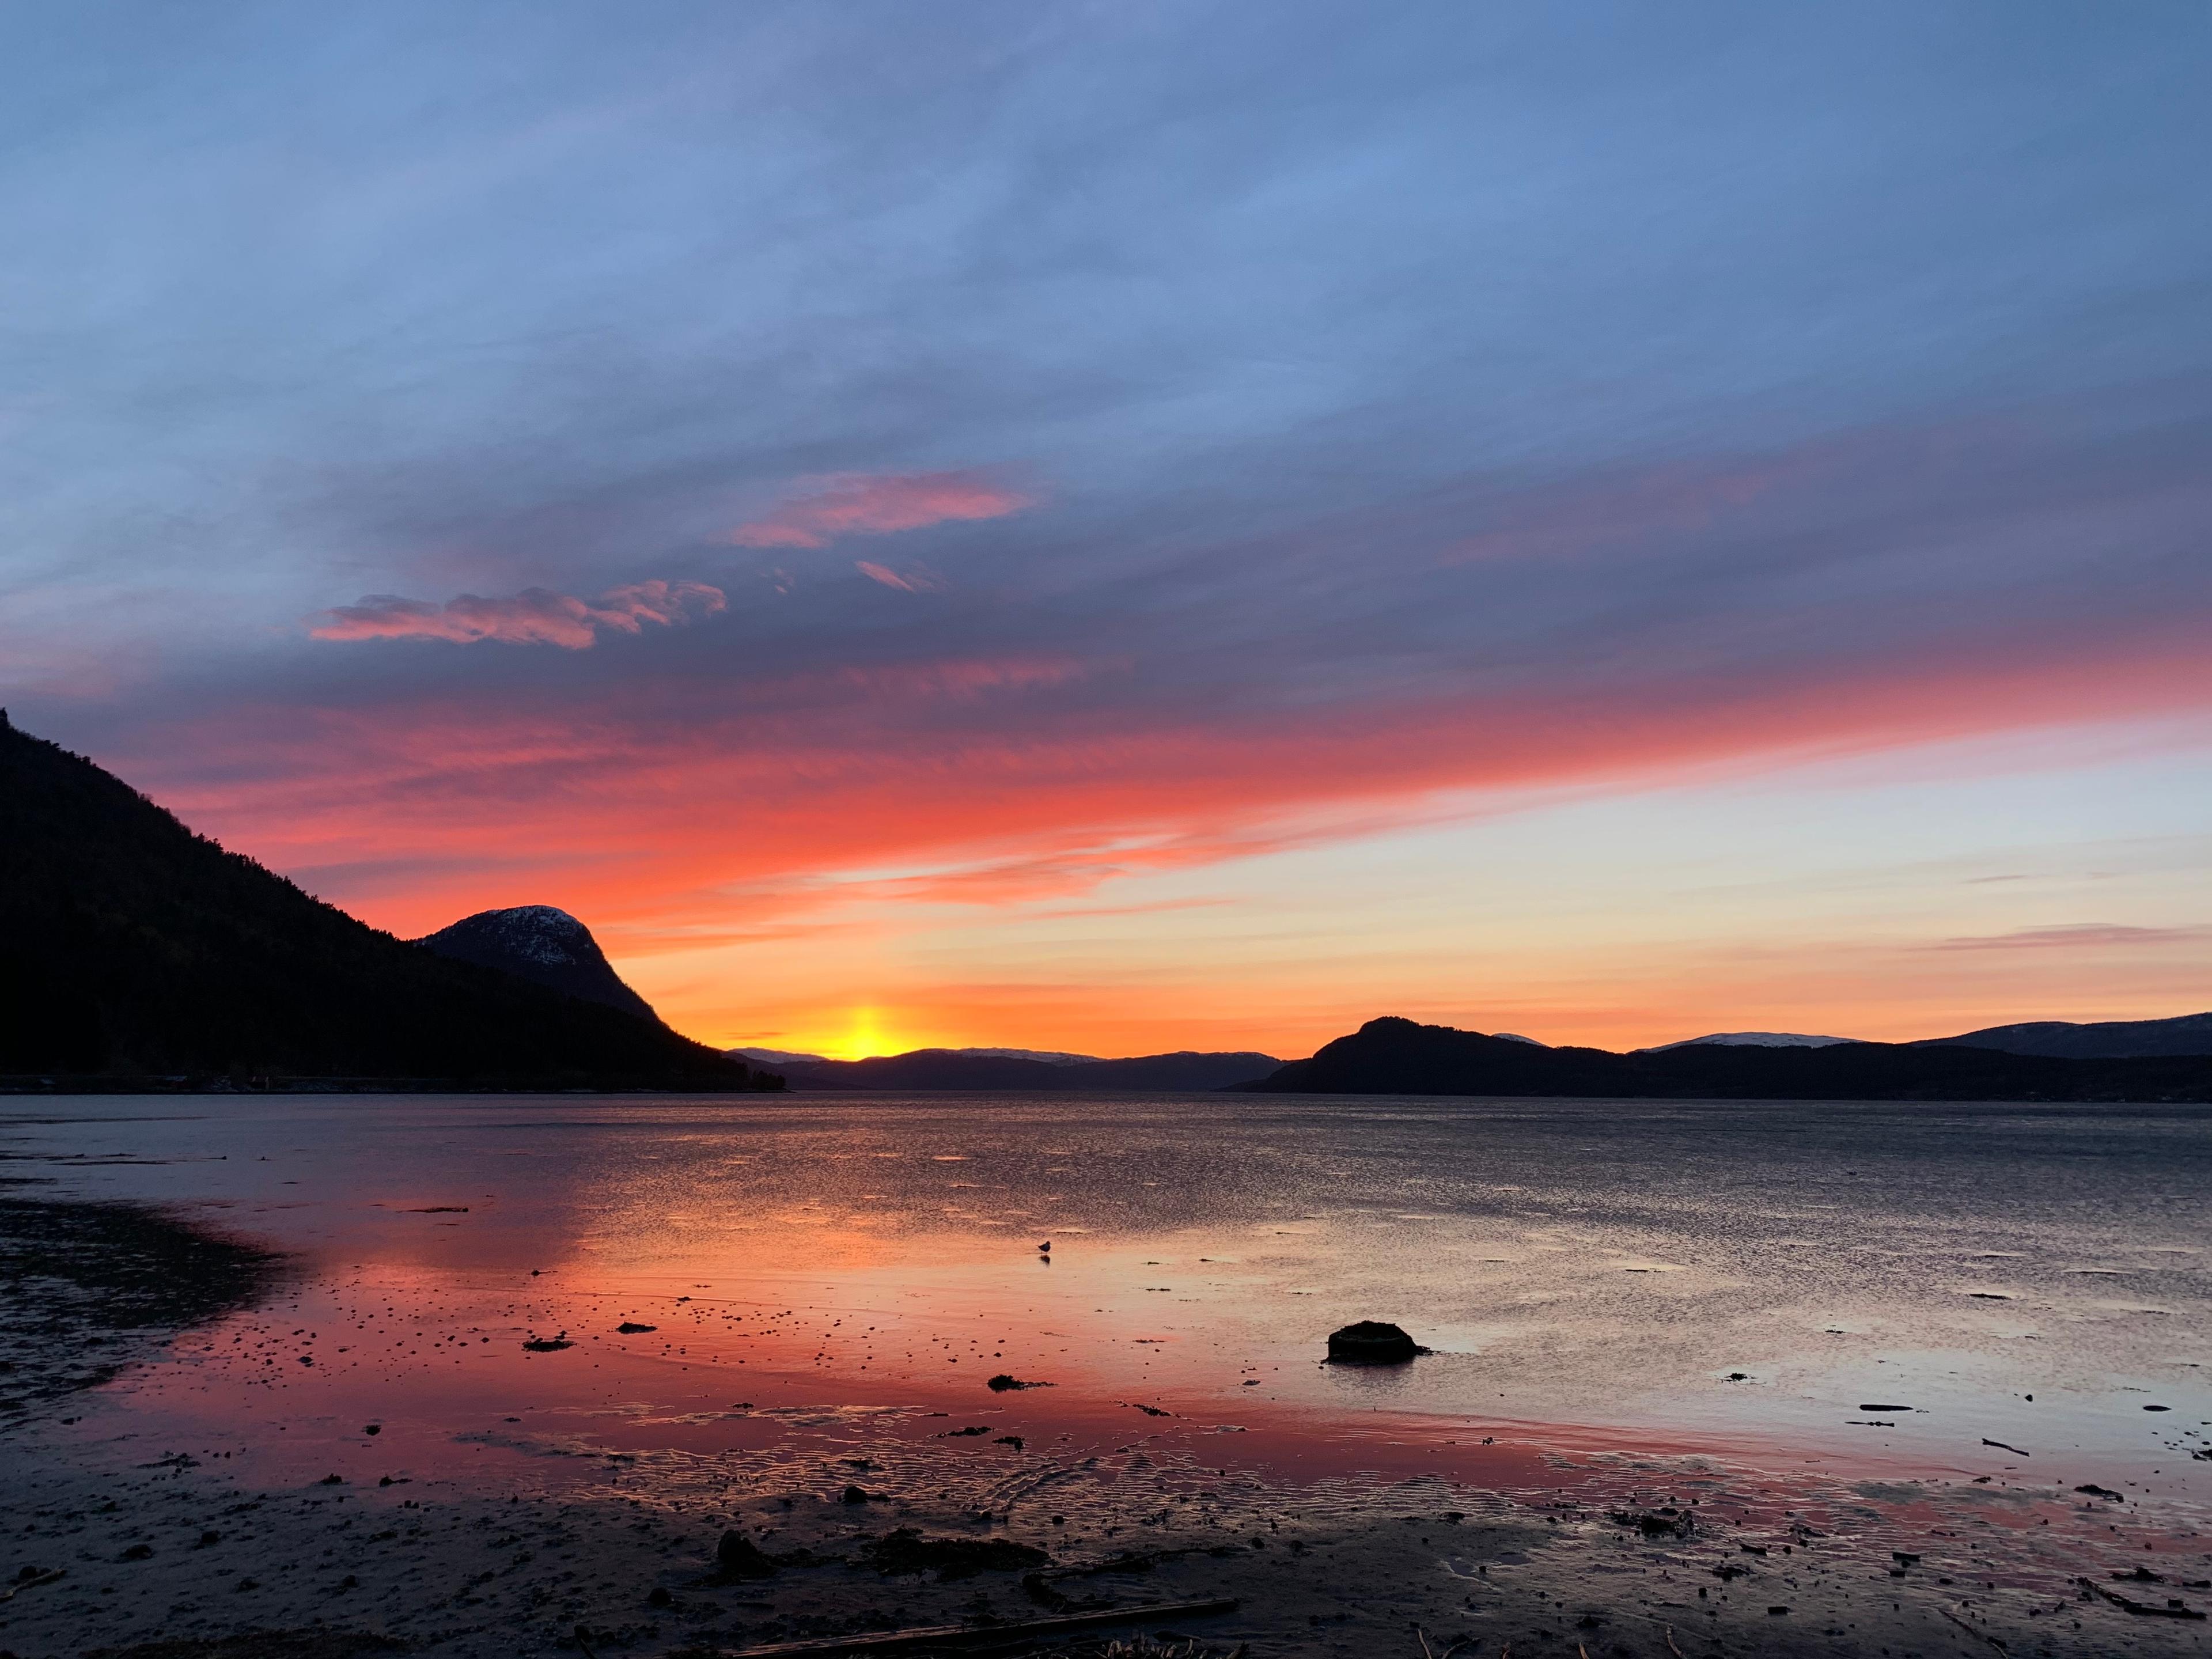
x: 2112, y: 1039
x: 950, y: 1068
x: 1173, y: 1072
x: 1748, y: 1040
x: 133, y: 951
x: 1396, y: 1056
x: 538, y: 943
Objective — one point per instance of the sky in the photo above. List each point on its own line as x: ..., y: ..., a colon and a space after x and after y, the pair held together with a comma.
x: 1126, y: 527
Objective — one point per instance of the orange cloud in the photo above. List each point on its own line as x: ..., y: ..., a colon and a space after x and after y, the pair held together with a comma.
x: 857, y: 505
x: 723, y: 850
x: 2078, y: 935
x: 418, y: 805
x: 537, y: 615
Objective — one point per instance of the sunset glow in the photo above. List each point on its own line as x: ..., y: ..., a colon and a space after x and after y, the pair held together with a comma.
x: 1281, y: 530
x: 866, y: 1032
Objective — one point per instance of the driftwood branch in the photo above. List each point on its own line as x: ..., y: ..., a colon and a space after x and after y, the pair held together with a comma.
x: 31, y: 1580
x: 1971, y: 1630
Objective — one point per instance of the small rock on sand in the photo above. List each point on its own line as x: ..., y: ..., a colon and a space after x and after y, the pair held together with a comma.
x: 1371, y: 1342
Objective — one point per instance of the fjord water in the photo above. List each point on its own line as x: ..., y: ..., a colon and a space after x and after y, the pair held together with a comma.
x: 1875, y: 1290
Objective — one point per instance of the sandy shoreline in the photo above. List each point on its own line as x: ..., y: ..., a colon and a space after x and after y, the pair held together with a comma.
x: 165, y: 1545
x: 474, y: 1574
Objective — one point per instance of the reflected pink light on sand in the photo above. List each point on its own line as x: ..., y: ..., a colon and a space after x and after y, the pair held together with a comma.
x: 818, y: 1293
x: 689, y: 1416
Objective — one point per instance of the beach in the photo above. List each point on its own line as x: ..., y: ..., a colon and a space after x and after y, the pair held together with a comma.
x: 500, y: 1376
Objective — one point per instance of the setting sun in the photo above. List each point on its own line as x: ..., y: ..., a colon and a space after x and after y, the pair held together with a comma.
x: 866, y: 1033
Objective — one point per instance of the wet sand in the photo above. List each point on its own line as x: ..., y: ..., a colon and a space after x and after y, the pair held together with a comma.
x: 357, y: 1442
x: 1605, y: 1549
x: 1354, y: 1570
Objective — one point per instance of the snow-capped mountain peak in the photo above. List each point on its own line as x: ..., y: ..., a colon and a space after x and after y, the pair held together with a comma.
x: 541, y: 943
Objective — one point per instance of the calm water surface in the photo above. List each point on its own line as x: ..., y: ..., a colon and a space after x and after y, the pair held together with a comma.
x: 1871, y: 1289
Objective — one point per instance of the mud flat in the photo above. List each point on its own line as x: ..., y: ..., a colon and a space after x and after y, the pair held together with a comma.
x: 506, y: 1374
x: 121, y: 1544
x: 169, y: 1560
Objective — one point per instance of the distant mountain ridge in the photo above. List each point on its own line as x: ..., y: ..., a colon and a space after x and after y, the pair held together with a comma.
x: 1046, y: 1056
x: 1393, y: 1056
x: 1049, y: 1056
x: 1747, y: 1040
x: 974, y: 1069
x: 2111, y: 1039
x: 545, y: 945
x: 134, y: 953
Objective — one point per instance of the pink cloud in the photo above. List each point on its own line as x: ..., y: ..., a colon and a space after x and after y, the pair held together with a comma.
x: 963, y: 677
x: 537, y: 615
x: 947, y: 678
x: 857, y: 505
x: 915, y: 578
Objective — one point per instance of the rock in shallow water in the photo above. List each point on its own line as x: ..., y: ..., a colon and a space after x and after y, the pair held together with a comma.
x: 1371, y: 1342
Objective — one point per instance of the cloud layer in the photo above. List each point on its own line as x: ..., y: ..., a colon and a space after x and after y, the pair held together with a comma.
x: 537, y: 615
x: 1118, y: 462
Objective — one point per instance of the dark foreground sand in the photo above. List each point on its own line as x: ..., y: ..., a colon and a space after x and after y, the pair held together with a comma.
x: 171, y: 1556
